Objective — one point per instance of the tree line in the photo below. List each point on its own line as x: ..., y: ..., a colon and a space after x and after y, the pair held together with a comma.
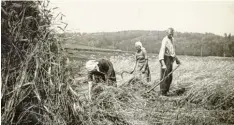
x: 194, y: 44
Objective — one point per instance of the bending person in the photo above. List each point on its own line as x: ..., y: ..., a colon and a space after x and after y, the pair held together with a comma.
x: 101, y: 70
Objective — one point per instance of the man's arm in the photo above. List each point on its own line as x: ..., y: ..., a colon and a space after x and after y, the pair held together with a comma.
x: 175, y: 58
x: 162, y: 53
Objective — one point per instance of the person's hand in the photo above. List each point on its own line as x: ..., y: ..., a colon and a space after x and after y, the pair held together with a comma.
x: 164, y: 66
x: 178, y: 62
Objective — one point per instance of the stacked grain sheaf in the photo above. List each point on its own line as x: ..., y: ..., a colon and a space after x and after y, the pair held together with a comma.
x: 35, y: 83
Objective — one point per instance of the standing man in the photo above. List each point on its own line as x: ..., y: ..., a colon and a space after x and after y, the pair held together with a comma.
x: 166, y: 58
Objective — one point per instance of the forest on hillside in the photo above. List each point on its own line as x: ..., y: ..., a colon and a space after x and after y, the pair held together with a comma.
x: 194, y: 44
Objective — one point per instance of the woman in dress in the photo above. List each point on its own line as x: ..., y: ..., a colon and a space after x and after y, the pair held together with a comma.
x: 141, y: 68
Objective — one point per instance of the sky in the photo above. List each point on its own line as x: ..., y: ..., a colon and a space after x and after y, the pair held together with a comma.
x: 184, y: 16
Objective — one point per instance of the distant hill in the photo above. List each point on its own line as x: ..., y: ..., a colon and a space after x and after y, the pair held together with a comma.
x: 195, y: 44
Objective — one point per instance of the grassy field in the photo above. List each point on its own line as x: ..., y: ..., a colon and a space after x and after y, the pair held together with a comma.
x: 208, y: 99
x: 70, y: 47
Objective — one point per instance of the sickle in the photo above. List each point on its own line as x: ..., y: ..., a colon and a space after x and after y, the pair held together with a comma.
x: 123, y: 73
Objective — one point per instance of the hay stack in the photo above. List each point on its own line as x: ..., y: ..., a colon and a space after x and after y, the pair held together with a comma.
x: 35, y: 80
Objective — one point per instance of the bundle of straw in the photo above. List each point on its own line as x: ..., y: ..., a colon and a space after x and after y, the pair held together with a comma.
x: 35, y: 78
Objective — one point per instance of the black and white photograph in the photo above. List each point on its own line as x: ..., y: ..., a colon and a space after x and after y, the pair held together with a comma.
x: 117, y: 62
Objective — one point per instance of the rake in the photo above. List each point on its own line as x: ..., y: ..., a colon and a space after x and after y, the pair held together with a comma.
x: 162, y: 79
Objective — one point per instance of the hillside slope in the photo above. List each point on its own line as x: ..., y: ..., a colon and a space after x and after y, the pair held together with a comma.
x: 195, y: 44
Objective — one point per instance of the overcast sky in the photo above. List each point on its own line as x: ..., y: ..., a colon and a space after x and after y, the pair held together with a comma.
x: 112, y: 15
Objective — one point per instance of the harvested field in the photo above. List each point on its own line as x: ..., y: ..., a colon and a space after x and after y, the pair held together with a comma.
x: 45, y: 85
x: 208, y: 97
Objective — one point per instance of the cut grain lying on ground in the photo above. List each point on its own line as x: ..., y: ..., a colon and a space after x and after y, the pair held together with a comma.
x: 209, y: 86
x: 41, y: 86
x: 208, y: 98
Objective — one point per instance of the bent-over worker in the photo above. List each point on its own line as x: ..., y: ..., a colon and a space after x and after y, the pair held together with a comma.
x: 101, y: 70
